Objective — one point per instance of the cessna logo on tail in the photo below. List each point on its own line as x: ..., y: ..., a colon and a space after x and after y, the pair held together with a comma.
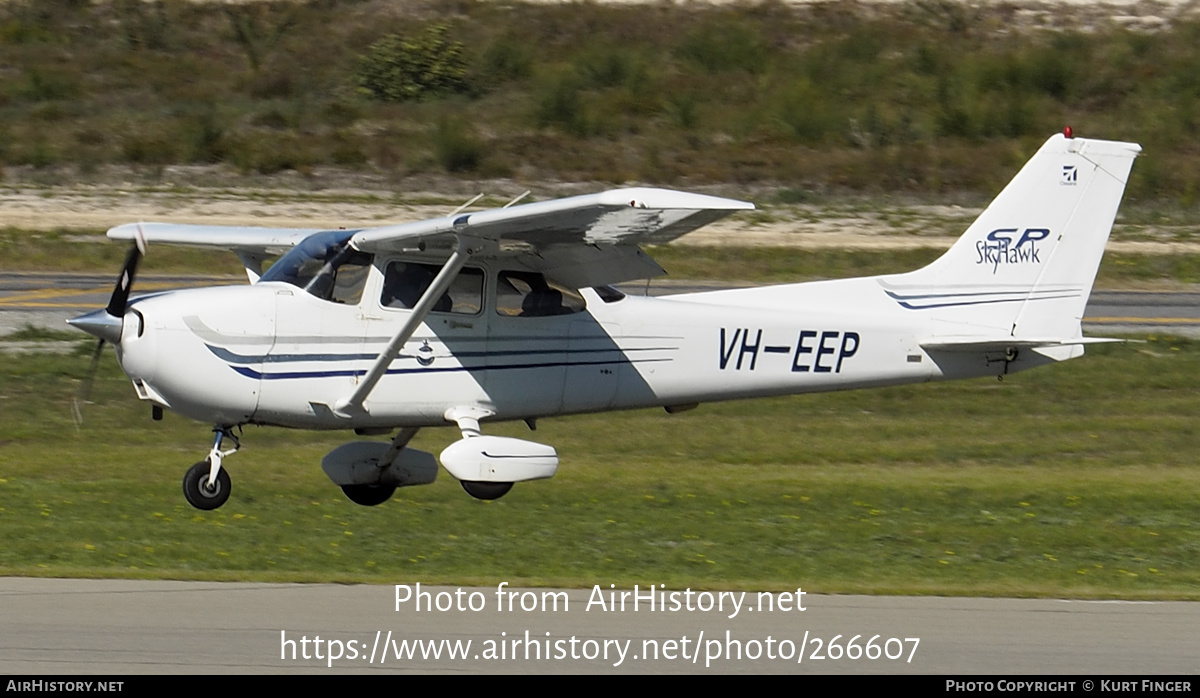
x: 999, y: 247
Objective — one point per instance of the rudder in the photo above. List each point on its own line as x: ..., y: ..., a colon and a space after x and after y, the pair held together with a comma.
x: 1025, y: 267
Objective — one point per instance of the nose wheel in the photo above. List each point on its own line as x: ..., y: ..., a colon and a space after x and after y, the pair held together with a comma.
x: 206, y: 485
x: 199, y: 492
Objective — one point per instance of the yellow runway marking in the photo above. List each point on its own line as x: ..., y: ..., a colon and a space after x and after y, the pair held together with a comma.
x: 56, y: 305
x: 30, y: 298
x: 24, y: 298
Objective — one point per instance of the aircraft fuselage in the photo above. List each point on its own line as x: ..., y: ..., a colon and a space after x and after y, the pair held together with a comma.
x: 272, y: 353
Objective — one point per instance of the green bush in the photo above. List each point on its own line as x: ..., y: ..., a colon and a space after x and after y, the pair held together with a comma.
x: 37, y: 151
x: 457, y: 148
x: 683, y: 111
x: 203, y: 136
x: 347, y: 151
x: 399, y: 69
x: 149, y: 148
x: 340, y: 113
x: 53, y: 84
x: 602, y: 68
x: 508, y: 59
x: 719, y: 46
x: 560, y: 105
x: 809, y: 114
x: 268, y: 153
x: 144, y: 25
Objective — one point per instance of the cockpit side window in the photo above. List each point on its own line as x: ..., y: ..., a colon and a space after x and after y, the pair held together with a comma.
x: 343, y: 278
x: 326, y: 266
x: 405, y: 282
x: 529, y: 294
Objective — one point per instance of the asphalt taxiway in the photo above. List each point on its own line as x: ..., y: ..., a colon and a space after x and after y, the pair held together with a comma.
x: 60, y: 626
x: 46, y: 300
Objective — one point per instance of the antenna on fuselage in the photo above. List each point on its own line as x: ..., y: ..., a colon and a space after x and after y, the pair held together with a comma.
x: 477, y: 197
x: 522, y: 196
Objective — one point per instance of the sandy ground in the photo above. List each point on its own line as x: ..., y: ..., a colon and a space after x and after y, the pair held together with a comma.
x: 886, y: 225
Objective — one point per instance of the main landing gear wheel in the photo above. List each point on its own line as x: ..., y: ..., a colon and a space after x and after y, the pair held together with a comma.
x: 368, y: 495
x: 197, y: 490
x: 486, y: 490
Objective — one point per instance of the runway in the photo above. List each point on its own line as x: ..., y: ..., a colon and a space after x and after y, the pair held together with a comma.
x: 61, y: 626
x: 46, y: 300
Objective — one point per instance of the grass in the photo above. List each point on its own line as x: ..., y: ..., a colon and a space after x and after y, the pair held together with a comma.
x: 31, y: 333
x: 1078, y: 480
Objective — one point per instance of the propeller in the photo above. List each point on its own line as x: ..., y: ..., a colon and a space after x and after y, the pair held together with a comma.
x: 84, y: 393
x: 120, y: 295
x: 106, y: 324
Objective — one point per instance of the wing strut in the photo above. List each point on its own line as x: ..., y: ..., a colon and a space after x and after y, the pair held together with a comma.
x: 354, y: 404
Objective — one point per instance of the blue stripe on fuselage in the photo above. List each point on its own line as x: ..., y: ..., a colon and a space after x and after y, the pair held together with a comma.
x: 290, y: 375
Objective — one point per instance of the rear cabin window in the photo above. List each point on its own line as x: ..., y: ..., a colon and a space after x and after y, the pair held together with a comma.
x: 529, y: 294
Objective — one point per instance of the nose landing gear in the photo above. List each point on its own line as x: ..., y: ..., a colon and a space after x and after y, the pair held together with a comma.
x: 197, y: 490
x: 205, y: 485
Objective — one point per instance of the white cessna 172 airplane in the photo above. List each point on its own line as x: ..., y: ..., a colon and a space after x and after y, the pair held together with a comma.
x: 508, y: 314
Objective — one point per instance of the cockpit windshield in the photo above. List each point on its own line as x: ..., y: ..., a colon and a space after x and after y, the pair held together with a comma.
x: 324, y: 265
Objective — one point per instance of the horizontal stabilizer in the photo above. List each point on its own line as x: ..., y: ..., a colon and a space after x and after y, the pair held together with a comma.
x: 1054, y: 349
x: 975, y: 344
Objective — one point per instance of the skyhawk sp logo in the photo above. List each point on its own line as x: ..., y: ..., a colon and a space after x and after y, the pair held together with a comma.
x: 998, y: 248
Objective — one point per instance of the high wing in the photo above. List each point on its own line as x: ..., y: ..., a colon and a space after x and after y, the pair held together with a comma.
x: 252, y: 245
x: 618, y: 216
x: 584, y: 240
x: 270, y: 240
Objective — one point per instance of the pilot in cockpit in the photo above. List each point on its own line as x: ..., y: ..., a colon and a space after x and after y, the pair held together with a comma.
x: 405, y: 282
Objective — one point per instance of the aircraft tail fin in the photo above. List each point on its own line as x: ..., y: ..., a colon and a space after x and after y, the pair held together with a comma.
x: 1024, y: 269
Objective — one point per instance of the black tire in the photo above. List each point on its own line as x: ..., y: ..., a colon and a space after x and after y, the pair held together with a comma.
x: 368, y: 495
x: 486, y: 490
x: 197, y: 492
